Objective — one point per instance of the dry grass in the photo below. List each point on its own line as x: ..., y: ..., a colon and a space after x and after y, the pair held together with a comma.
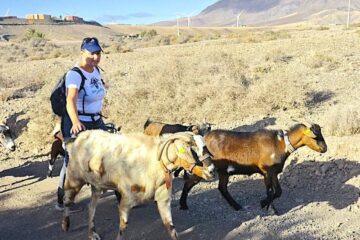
x: 344, y: 121
x: 229, y: 80
x: 319, y: 60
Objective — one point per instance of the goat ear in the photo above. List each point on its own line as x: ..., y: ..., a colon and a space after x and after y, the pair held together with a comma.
x: 309, y: 133
x: 195, y: 130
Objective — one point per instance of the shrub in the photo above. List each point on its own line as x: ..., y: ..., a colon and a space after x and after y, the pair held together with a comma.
x: 32, y: 33
x: 322, y: 28
x: 148, y: 34
x: 343, y: 121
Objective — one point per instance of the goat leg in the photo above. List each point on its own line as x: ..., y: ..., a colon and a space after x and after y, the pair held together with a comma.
x: 118, y: 196
x: 95, y: 195
x: 188, y: 185
x: 165, y: 214
x: 269, y: 192
x: 273, y: 191
x: 124, y: 209
x: 223, y: 182
x: 56, y: 149
x: 50, y: 170
x: 72, y: 188
x: 277, y: 191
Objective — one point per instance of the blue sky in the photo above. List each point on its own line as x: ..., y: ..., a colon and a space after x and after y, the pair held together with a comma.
x: 106, y: 11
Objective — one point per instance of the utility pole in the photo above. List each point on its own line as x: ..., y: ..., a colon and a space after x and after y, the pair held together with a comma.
x: 348, y: 17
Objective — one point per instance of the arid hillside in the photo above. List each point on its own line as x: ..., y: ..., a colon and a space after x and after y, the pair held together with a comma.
x: 240, y: 79
x: 226, y: 13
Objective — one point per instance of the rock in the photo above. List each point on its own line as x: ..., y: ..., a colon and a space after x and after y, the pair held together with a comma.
x: 349, y: 208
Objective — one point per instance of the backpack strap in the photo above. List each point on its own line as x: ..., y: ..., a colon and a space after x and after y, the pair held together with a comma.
x: 98, y: 69
x: 83, y: 78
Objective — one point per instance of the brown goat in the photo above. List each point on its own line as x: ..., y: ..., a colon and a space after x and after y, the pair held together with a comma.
x: 56, y: 149
x: 263, y: 151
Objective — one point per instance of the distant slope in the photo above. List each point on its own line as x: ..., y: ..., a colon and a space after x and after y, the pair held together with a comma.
x: 272, y: 12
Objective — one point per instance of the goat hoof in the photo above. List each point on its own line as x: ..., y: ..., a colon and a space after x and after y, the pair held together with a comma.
x: 49, y: 174
x: 173, y: 234
x: 237, y: 207
x: 65, y: 224
x: 272, y: 210
x: 184, y: 208
x: 94, y: 236
x: 264, y: 203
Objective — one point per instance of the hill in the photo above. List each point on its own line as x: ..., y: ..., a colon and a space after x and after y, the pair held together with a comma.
x: 272, y: 12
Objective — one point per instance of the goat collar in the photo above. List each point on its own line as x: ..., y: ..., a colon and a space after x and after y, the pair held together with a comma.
x: 290, y: 148
x: 204, y: 157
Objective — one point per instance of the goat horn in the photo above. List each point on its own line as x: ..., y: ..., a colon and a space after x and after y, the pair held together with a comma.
x: 185, y: 136
x: 164, y: 145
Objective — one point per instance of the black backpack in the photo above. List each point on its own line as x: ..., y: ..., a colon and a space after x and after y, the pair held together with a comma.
x: 58, y: 94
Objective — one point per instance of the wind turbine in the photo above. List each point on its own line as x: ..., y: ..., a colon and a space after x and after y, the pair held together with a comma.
x: 177, y: 25
x: 7, y: 12
x: 348, y: 17
x: 238, y: 18
x: 189, y: 17
x: 178, y: 16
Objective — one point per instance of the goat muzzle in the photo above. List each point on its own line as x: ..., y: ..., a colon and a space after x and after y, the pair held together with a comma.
x: 206, y: 173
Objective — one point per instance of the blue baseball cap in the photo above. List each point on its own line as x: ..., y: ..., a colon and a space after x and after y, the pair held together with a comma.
x: 91, y: 45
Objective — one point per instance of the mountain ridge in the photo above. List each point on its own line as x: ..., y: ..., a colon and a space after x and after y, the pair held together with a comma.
x: 271, y: 12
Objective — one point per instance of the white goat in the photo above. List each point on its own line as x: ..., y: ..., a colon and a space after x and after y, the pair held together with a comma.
x: 136, y: 165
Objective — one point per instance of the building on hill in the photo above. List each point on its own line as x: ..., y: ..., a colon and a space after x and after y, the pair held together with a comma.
x: 73, y: 19
x: 8, y: 17
x: 38, y: 18
x: 11, y: 20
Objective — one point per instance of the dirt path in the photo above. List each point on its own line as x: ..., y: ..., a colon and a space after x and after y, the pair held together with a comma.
x: 320, y: 201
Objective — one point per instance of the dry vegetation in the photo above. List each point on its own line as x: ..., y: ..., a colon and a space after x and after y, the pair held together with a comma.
x: 230, y: 77
x: 237, y: 75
